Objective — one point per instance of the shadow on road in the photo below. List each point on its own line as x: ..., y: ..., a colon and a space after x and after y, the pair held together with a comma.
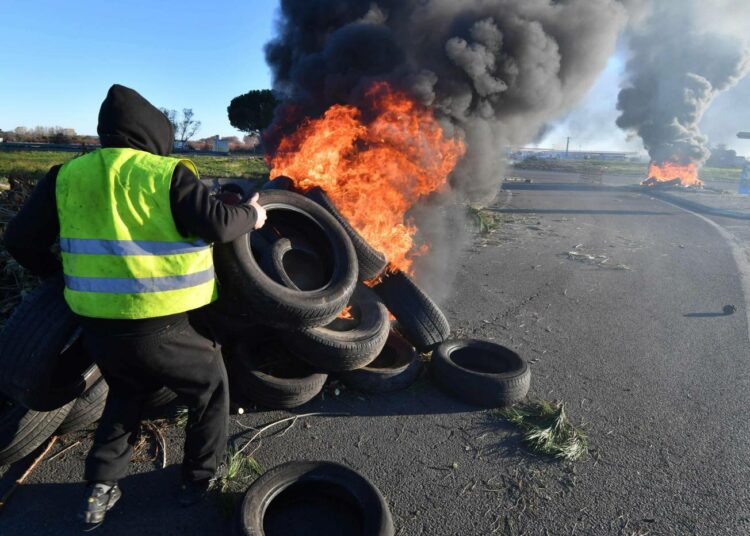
x: 148, y: 506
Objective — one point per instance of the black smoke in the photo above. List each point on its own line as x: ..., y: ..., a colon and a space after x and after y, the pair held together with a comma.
x: 681, y: 59
x: 495, y: 72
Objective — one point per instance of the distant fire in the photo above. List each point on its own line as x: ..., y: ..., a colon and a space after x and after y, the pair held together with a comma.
x: 374, y: 169
x: 673, y: 173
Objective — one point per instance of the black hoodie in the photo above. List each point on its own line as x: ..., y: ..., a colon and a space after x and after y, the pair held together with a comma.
x: 126, y: 119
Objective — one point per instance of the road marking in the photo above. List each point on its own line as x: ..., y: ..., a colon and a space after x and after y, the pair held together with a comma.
x: 740, y: 254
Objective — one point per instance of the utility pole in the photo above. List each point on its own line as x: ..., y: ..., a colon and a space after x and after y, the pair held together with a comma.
x: 745, y: 175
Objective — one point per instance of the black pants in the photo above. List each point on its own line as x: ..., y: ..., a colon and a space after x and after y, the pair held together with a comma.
x: 135, y: 365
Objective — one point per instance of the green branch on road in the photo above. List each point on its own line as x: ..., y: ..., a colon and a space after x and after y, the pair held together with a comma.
x: 547, y: 429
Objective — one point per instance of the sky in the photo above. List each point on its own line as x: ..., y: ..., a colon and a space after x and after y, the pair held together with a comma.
x: 59, y: 59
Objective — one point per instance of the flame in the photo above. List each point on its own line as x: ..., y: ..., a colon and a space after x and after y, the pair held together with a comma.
x: 375, y: 169
x: 346, y: 314
x: 667, y: 172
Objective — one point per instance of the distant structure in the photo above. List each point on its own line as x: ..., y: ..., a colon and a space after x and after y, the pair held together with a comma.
x: 522, y: 153
x: 219, y: 146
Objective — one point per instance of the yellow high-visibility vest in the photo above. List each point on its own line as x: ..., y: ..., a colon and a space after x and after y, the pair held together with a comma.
x: 123, y: 257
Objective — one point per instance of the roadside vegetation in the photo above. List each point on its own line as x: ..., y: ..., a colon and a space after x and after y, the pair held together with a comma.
x: 34, y: 165
x: 636, y: 169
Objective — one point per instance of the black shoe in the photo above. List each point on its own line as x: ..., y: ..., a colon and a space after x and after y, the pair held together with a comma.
x: 100, y: 498
x: 193, y: 492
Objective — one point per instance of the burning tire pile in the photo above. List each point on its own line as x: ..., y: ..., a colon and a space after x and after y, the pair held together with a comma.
x: 310, y: 298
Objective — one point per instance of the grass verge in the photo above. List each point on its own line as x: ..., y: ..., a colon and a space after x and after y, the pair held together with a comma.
x: 638, y: 169
x: 33, y: 165
x: 547, y: 430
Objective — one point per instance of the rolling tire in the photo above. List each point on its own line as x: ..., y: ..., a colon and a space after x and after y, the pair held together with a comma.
x: 420, y: 320
x: 87, y: 408
x: 43, y: 364
x: 396, y: 368
x: 23, y: 430
x: 290, y: 384
x: 241, y: 275
x: 371, y: 261
x: 345, y: 502
x: 481, y: 373
x: 345, y: 344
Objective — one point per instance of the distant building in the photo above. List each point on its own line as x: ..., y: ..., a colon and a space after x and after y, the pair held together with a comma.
x: 522, y: 153
x: 219, y: 146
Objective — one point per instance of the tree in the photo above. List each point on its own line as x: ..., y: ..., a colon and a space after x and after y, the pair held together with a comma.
x: 185, y: 128
x: 252, y: 111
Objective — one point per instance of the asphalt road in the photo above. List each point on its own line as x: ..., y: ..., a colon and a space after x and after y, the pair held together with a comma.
x: 633, y: 339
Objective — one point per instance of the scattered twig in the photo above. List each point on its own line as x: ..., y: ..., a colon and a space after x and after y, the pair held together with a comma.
x: 160, y: 439
x: 63, y: 451
x: 4, y: 499
x: 282, y: 421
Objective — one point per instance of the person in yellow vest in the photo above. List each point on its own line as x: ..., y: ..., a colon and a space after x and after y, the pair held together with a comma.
x: 135, y: 228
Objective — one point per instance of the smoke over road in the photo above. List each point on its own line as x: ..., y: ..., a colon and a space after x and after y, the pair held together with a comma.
x: 494, y: 72
x: 682, y: 56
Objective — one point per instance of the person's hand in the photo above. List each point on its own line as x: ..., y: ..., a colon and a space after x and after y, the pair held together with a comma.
x: 259, y: 211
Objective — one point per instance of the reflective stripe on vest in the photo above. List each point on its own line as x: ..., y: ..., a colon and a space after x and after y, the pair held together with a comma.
x: 91, y: 246
x: 123, y: 256
x: 124, y: 285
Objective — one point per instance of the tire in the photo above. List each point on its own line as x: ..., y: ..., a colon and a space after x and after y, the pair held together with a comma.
x: 87, y: 408
x: 290, y: 384
x: 22, y: 430
x: 293, y: 216
x: 282, y: 182
x: 395, y: 369
x: 43, y: 364
x: 420, y: 320
x: 345, y: 344
x: 481, y: 373
x: 296, y: 265
x: 371, y: 261
x: 313, y: 498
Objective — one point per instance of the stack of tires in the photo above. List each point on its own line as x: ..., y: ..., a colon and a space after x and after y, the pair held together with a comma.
x: 48, y: 382
x: 295, y: 309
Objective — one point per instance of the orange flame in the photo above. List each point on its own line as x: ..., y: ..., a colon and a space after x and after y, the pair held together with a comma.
x: 666, y: 172
x: 346, y: 314
x: 373, y: 170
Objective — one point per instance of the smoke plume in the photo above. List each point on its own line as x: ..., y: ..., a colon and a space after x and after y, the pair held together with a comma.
x: 682, y: 56
x: 494, y: 71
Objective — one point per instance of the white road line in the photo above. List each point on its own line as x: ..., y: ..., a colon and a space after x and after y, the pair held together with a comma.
x: 740, y: 253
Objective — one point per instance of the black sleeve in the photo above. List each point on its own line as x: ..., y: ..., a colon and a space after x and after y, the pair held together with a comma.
x: 31, y: 233
x: 197, y: 213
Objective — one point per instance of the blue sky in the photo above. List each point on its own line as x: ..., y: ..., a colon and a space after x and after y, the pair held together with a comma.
x: 59, y: 58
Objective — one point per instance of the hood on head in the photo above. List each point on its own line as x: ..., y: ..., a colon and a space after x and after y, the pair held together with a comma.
x: 126, y: 119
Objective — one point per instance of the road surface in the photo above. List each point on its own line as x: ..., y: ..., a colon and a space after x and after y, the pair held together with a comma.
x: 616, y: 300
